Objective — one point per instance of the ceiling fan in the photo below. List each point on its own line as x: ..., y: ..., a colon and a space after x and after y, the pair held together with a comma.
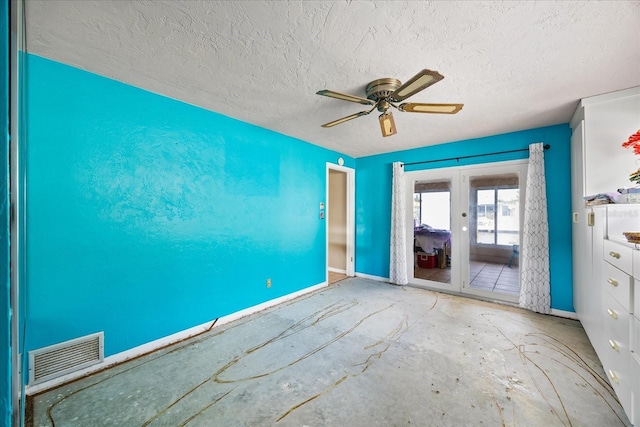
x: 385, y: 93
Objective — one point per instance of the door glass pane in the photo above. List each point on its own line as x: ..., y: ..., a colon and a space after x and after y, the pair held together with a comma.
x: 494, y: 233
x: 508, y: 224
x: 485, y: 231
x: 432, y: 230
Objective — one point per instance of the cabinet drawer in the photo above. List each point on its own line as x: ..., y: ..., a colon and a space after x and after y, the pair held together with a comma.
x: 617, y: 368
x: 635, y: 340
x: 617, y: 357
x: 616, y: 325
x: 636, y: 263
x: 635, y: 390
x: 635, y: 309
x: 619, y: 255
x: 618, y: 284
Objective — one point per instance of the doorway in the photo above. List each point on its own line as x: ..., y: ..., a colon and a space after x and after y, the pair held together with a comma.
x: 466, y: 232
x: 340, y: 222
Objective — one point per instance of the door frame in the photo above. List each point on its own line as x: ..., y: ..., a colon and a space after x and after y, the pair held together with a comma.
x: 411, y: 178
x: 350, y: 228
x: 514, y: 166
x: 17, y: 225
x: 459, y: 240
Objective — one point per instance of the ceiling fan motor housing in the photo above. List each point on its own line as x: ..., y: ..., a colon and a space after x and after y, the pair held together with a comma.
x: 380, y: 89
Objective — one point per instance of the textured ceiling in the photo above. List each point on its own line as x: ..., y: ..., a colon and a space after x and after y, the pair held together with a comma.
x: 515, y: 65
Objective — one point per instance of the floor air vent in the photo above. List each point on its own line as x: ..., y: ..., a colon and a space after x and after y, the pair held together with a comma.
x: 59, y: 359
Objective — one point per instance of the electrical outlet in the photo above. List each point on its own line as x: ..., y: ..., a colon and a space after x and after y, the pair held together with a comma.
x: 268, y: 283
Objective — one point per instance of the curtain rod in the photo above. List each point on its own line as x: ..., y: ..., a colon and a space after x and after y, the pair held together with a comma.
x: 546, y: 147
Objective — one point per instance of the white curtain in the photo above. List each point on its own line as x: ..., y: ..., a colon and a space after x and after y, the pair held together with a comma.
x: 535, y: 292
x: 398, y: 248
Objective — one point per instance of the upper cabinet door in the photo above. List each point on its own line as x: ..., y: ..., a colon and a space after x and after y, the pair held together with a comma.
x: 609, y: 120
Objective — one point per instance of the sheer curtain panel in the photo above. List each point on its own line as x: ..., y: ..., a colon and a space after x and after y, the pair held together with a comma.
x: 398, y: 248
x: 535, y: 291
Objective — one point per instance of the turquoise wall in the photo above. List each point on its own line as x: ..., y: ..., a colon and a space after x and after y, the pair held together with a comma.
x: 5, y: 306
x: 373, y: 197
x: 147, y: 216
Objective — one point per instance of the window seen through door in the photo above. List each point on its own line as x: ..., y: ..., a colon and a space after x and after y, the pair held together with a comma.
x: 432, y: 208
x: 497, y: 216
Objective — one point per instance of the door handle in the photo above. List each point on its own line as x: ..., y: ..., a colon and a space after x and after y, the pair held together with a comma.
x: 464, y: 214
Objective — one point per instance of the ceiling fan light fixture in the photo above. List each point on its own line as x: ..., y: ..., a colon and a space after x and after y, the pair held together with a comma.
x: 387, y: 125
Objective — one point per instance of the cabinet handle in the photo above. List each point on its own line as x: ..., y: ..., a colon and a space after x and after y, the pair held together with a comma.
x: 615, y: 255
x: 613, y: 376
x: 575, y: 217
x: 614, y: 345
x: 612, y: 282
x: 612, y: 313
x: 591, y: 219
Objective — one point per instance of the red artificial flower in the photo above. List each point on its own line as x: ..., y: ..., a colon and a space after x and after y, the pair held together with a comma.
x: 633, y: 141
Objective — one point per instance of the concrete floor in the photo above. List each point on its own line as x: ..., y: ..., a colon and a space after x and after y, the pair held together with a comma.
x: 358, y: 353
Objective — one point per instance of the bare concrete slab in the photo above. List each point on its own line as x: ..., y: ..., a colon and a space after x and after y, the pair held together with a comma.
x: 358, y: 353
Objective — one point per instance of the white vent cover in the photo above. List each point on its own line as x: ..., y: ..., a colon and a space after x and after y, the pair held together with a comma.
x: 59, y: 359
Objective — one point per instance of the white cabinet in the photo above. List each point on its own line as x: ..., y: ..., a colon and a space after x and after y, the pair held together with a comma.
x: 603, y: 123
x: 580, y: 232
x: 588, y: 242
x: 635, y: 363
x: 605, y: 267
x: 635, y: 339
x: 617, y: 297
x: 608, y: 300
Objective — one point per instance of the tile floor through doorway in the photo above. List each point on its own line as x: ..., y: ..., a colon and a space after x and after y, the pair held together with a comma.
x: 495, y: 277
x: 483, y: 275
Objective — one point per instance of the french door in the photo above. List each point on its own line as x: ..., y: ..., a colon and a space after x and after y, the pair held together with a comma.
x: 464, y: 229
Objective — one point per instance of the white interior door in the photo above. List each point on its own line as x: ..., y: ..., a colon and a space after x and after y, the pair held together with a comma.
x: 466, y: 230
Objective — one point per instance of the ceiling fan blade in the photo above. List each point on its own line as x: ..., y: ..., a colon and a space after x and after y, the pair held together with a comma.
x: 346, y: 119
x: 412, y: 107
x: 345, y: 97
x: 420, y: 81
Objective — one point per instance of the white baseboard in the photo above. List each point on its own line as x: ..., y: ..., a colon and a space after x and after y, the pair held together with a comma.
x: 337, y: 270
x: 372, y: 277
x: 565, y: 314
x: 165, y: 341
